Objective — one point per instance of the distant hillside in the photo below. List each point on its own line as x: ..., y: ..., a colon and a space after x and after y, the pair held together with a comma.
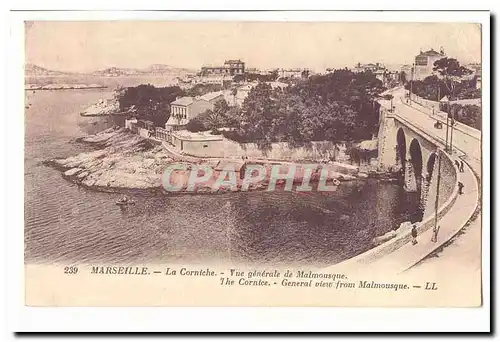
x: 32, y: 70
x: 115, y: 72
x: 166, y: 69
x: 155, y: 69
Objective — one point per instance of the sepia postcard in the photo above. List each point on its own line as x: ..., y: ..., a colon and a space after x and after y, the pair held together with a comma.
x: 254, y: 163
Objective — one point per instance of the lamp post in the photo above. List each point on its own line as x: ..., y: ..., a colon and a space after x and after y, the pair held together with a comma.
x: 436, y: 204
x: 411, y: 82
x: 447, y: 103
x: 452, y: 112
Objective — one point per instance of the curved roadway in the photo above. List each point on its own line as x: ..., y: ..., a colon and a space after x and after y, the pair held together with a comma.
x: 466, y: 146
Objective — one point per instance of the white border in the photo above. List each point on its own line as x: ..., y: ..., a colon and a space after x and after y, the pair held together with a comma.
x: 21, y: 318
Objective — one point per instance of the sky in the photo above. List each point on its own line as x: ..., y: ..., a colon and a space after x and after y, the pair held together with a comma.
x: 80, y: 46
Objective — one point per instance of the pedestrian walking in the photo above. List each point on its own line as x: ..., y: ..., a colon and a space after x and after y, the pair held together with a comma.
x: 435, y: 231
x: 457, y: 164
x: 460, y: 188
x: 461, y: 166
x: 414, y: 235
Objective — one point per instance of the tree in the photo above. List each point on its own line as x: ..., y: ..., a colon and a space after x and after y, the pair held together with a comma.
x: 452, y: 72
x: 196, y: 125
x: 221, y: 107
x: 214, y: 119
x: 468, y: 114
x: 402, y: 77
x: 202, y: 89
x: 148, y: 102
x: 238, y: 78
x: 274, y: 75
x: 234, y: 92
x: 258, y: 115
x: 336, y: 107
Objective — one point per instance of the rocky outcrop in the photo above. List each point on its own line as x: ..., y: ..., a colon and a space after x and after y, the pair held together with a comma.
x: 102, y: 108
x: 124, y: 160
x: 128, y: 161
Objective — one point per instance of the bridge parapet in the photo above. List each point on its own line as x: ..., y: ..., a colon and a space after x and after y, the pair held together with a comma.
x: 403, y: 237
x: 409, y: 122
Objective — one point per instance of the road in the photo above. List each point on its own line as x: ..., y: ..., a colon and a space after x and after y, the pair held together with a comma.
x: 466, y: 141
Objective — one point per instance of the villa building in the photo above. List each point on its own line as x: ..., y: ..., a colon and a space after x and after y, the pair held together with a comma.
x: 231, y: 67
x: 186, y: 108
x: 373, y: 67
x: 424, y: 63
x: 291, y: 73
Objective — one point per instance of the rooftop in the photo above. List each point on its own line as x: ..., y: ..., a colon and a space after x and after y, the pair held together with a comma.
x: 211, y: 96
x: 183, y: 101
x: 368, y: 145
x: 233, y: 61
x: 214, y: 67
x: 277, y: 84
x: 196, y: 136
x: 429, y: 53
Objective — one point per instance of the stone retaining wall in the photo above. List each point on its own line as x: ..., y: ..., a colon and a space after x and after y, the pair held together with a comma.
x: 376, y: 253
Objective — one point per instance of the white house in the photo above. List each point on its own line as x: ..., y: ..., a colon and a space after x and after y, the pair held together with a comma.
x: 424, y: 63
x: 187, y: 108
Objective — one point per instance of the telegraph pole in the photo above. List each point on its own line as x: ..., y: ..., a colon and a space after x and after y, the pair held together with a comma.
x: 439, y: 98
x: 448, y: 109
x: 411, y: 83
x: 451, y: 129
x: 447, y: 126
x: 436, y: 204
x: 452, y: 122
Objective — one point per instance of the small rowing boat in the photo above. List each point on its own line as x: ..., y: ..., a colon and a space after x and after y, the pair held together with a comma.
x: 124, y: 201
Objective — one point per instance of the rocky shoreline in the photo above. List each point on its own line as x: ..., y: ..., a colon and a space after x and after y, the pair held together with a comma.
x: 63, y: 86
x: 123, y: 162
x: 103, y: 107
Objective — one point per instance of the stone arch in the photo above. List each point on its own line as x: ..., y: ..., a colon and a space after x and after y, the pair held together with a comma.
x: 429, y: 194
x: 401, y: 147
x: 431, y: 161
x: 416, y: 160
x: 415, y: 152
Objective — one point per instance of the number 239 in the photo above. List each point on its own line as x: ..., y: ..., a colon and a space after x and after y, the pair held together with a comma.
x: 70, y: 269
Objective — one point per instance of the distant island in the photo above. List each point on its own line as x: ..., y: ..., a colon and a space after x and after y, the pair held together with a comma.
x: 152, y: 70
x: 63, y: 86
x: 32, y: 70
